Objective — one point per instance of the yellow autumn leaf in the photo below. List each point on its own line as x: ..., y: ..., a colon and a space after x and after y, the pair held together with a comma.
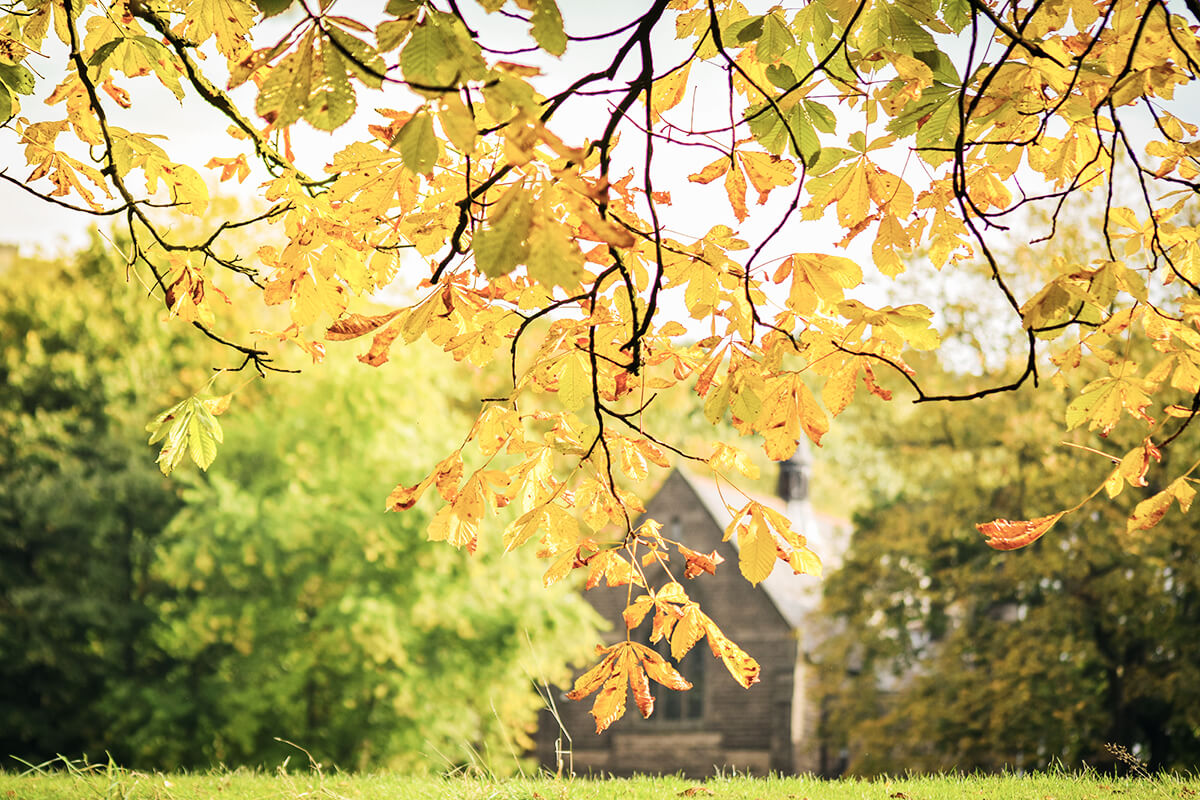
x: 839, y: 388
x: 713, y: 171
x: 227, y: 20
x: 735, y: 189
x: 669, y: 90
x: 632, y: 462
x: 756, y: 551
x: 766, y: 172
x: 574, y: 381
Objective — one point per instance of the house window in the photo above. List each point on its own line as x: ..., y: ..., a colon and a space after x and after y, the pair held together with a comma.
x: 673, y: 706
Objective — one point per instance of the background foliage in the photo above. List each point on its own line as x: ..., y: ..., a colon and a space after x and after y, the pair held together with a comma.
x: 81, y: 507
x: 271, y: 597
x: 950, y: 655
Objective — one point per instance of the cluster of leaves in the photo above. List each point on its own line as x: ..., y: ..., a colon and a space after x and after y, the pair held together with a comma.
x: 907, y: 125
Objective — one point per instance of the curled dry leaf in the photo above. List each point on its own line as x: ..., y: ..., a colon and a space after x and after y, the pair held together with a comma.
x: 1007, y: 534
x: 351, y: 326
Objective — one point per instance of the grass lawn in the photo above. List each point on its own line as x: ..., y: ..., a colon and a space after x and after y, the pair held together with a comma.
x: 110, y: 783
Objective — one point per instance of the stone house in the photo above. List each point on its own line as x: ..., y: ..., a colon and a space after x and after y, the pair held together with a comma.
x: 772, y: 727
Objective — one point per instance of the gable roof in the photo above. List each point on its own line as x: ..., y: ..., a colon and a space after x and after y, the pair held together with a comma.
x: 795, y: 596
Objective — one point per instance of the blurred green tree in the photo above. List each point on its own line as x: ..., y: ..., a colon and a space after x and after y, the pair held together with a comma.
x: 80, y: 502
x: 967, y: 658
x: 303, y: 612
x: 271, y: 597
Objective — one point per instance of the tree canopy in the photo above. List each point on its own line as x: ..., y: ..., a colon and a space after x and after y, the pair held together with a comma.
x: 80, y: 504
x: 589, y: 220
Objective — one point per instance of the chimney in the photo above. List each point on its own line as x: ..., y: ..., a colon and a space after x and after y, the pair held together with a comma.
x: 795, y: 478
x: 794, y: 475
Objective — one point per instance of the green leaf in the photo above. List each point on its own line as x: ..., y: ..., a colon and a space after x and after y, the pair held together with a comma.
x: 776, y: 136
x: 942, y: 67
x: 283, y: 98
x: 501, y: 246
x: 188, y: 427
x: 956, y: 14
x: 806, y: 135
x: 104, y: 51
x: 402, y: 8
x: 774, y: 41
x: 457, y: 122
x: 827, y: 159
x: 158, y: 427
x: 17, y: 78
x: 364, y: 61
x: 939, y: 129
x: 422, y: 57
x: 201, y: 445
x: 418, y: 144
x: 332, y: 101
x: 554, y: 259
x: 821, y: 116
x: 270, y: 8
x: 743, y: 31
x: 781, y: 75
x: 6, y: 103
x: 548, y: 27
x: 886, y: 26
x: 768, y: 128
x: 467, y: 62
x: 507, y: 92
x: 392, y: 33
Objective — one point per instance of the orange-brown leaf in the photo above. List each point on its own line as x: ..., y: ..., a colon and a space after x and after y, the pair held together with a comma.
x: 641, y: 691
x: 698, y: 563
x: 610, y: 702
x: 1149, y: 512
x: 872, y: 386
x: 380, y: 345
x: 744, y: 669
x: 766, y: 172
x: 704, y: 382
x: 636, y: 611
x: 352, y: 326
x: 660, y: 670
x: 595, y: 677
x: 404, y: 497
x: 687, y: 632
x: 447, y: 474
x: 1007, y: 534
